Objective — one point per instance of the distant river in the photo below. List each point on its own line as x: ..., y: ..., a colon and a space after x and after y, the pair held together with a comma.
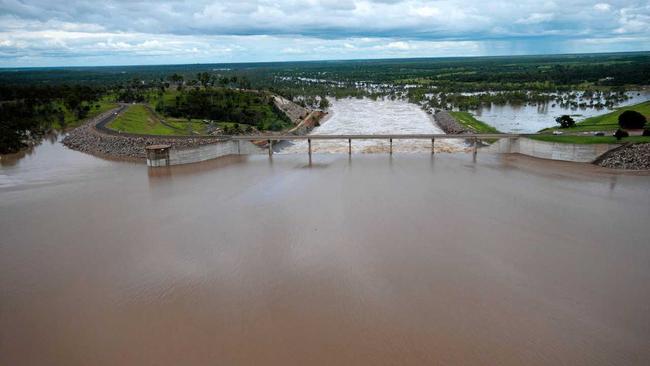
x: 369, y: 117
x: 532, y: 118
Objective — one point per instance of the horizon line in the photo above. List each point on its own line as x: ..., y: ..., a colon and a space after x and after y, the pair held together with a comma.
x: 329, y: 60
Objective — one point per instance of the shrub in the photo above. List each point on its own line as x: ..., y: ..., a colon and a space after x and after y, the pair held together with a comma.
x: 565, y: 121
x: 620, y: 134
x: 646, y: 132
x: 631, y: 120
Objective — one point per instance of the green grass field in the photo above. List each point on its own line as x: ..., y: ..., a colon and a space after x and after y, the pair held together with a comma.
x: 605, y: 122
x: 139, y: 120
x: 467, y: 120
x: 193, y: 126
x: 590, y: 139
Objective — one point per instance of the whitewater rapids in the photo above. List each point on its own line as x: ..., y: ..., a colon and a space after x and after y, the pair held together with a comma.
x: 381, y: 117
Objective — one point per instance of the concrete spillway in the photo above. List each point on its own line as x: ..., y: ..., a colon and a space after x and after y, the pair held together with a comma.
x: 368, y: 117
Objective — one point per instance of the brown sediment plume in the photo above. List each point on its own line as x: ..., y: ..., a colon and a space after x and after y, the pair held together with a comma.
x: 246, y: 260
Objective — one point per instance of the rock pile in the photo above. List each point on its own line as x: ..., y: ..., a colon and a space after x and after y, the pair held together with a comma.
x: 295, y: 112
x: 632, y: 156
x: 448, y: 123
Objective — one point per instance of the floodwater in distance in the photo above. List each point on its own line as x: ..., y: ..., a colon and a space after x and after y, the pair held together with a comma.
x: 365, y: 116
x: 532, y: 118
x: 369, y: 260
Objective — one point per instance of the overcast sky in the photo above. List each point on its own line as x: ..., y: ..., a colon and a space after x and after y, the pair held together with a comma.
x: 120, y: 32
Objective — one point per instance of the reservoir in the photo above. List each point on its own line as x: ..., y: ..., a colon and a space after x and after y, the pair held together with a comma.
x: 365, y: 260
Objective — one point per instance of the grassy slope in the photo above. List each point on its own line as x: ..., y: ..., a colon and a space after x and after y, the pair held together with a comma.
x: 590, y: 139
x: 467, y: 120
x: 139, y: 120
x: 605, y: 122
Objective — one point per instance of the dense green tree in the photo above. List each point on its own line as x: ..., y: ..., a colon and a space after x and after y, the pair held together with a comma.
x: 631, y: 120
x: 565, y: 121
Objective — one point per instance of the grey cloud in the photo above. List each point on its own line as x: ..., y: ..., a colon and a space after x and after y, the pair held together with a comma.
x: 202, y: 30
x: 332, y: 18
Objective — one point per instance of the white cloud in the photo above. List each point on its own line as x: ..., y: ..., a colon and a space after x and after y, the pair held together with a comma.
x: 602, y: 7
x: 399, y: 45
x: 293, y: 51
x: 536, y: 18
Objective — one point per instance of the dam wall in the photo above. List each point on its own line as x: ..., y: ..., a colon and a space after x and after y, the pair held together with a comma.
x: 581, y: 153
x: 165, y: 155
x: 173, y: 156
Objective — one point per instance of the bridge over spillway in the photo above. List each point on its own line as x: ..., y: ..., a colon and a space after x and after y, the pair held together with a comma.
x: 269, y: 140
x: 263, y: 144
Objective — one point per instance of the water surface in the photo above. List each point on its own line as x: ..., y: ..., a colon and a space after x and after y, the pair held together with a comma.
x: 532, y: 118
x: 372, y: 260
x: 365, y: 116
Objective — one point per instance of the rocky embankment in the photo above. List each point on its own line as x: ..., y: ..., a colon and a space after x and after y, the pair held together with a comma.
x: 632, y: 156
x: 295, y: 112
x: 94, y: 138
x: 448, y: 123
x: 88, y: 139
x: 305, y: 126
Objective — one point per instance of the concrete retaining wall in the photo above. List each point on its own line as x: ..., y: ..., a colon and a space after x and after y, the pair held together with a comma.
x: 582, y: 153
x: 207, y: 152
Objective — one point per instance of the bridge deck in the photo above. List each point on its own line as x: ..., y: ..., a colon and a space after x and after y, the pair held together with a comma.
x: 382, y: 137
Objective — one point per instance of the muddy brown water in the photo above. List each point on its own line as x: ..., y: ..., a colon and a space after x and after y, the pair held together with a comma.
x: 373, y: 260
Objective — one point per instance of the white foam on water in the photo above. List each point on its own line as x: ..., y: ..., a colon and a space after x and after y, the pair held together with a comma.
x: 381, y: 117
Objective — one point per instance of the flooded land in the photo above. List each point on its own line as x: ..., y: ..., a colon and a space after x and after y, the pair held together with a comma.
x: 530, y: 118
x: 370, y: 260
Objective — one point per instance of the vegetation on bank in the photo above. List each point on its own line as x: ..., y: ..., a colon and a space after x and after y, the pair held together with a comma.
x: 138, y: 119
x: 604, y: 122
x: 469, y: 121
x: 202, y: 98
x: 29, y: 112
x: 200, y: 110
x: 587, y: 79
x: 607, y: 123
x: 581, y: 139
x: 254, y: 109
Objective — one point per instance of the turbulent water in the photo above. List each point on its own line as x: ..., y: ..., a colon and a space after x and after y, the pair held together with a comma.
x: 369, y: 117
x: 532, y: 118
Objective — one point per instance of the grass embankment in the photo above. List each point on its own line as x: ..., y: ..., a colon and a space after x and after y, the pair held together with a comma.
x: 607, y: 123
x: 590, y: 139
x: 467, y: 120
x: 138, y: 119
x: 604, y: 122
